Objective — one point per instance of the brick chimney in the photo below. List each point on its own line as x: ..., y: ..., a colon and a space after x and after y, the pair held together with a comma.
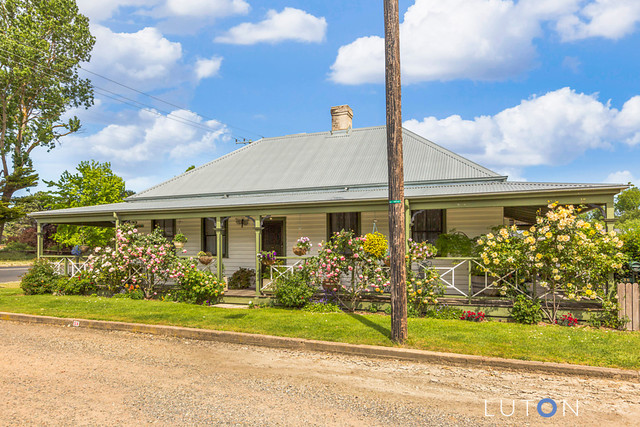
x: 341, y: 118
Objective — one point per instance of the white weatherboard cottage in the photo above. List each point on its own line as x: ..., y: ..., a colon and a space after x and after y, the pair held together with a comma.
x: 266, y: 195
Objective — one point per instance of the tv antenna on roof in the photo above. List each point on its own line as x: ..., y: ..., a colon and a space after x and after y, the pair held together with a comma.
x: 244, y: 141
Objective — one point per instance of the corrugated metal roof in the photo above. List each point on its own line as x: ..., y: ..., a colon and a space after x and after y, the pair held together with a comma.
x: 319, y: 160
x: 379, y: 193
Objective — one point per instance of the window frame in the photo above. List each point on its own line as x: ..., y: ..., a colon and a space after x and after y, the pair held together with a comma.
x: 154, y: 225
x: 358, y: 223
x: 427, y: 231
x: 225, y: 235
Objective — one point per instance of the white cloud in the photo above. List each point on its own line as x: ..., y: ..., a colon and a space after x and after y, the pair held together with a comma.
x: 620, y: 177
x: 152, y: 137
x: 211, y: 8
x: 290, y: 24
x: 144, y: 58
x: 205, y: 68
x: 612, y: 19
x: 551, y: 129
x: 479, y: 39
x: 101, y: 10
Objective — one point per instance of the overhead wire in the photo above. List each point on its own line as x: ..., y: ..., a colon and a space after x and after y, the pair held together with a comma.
x: 147, y: 107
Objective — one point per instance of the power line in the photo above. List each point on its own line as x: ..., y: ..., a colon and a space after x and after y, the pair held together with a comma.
x: 131, y: 102
x: 127, y: 87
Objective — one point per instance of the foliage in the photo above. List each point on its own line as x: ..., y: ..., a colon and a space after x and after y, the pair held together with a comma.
x: 376, y: 245
x: 304, y: 243
x: 139, y: 259
x: 630, y: 235
x: 627, y: 205
x: 567, y: 320
x: 81, y: 284
x: 344, y: 257
x: 267, y: 257
x: 242, y: 278
x: 180, y: 238
x: 42, y: 45
x: 455, y: 243
x: 472, y: 316
x: 526, y: 311
x: 23, y: 229
x: 609, y: 317
x: 40, y: 279
x: 198, y: 287
x: 569, y: 257
x: 319, y: 307
x: 93, y: 184
x: 130, y: 292
x: 424, y: 286
x: 441, y: 311
x: 292, y: 289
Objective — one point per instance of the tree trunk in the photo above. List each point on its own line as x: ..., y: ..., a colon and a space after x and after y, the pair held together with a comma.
x: 396, y: 173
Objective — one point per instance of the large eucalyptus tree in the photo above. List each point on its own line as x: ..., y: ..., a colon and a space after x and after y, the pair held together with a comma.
x: 42, y: 43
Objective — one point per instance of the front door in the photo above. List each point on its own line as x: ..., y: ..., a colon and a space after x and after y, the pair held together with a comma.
x: 273, y: 236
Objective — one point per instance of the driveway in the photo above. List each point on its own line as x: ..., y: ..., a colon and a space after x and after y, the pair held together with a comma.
x: 11, y: 274
x: 70, y: 376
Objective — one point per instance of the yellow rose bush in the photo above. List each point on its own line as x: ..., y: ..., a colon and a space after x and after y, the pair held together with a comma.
x: 569, y: 257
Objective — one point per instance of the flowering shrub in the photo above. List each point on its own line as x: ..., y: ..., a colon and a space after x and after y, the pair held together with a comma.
x: 567, y: 320
x: 376, y: 245
x: 267, y: 257
x: 472, y: 316
x: 424, y: 286
x: 292, y: 289
x: 145, y: 260
x: 80, y: 284
x: 569, y: 257
x: 344, y: 257
x: 196, y: 286
x: 304, y: 243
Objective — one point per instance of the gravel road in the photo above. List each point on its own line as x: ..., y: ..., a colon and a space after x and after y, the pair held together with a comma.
x: 69, y: 376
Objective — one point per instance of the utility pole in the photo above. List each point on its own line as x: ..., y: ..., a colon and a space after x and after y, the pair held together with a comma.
x: 396, y: 172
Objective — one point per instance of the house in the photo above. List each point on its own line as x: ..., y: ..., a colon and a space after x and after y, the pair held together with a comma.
x: 269, y: 193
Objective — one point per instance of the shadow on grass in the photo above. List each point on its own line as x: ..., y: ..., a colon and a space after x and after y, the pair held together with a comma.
x: 386, y: 332
x: 235, y: 316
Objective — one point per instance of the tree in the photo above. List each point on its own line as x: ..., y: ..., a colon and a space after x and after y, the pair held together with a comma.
x: 42, y: 43
x: 628, y: 204
x: 94, y: 184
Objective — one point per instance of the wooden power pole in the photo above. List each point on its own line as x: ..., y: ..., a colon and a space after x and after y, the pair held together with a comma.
x: 396, y: 172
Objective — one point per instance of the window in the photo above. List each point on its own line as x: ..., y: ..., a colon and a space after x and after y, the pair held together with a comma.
x: 209, y: 237
x: 348, y: 221
x: 428, y: 225
x: 168, y: 227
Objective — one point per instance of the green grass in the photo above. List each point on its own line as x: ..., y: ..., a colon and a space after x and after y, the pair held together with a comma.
x: 543, y: 343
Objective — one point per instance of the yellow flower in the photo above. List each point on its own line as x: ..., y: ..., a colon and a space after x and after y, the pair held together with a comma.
x: 548, y: 235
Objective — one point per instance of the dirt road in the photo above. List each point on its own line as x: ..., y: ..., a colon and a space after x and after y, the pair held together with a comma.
x: 69, y: 376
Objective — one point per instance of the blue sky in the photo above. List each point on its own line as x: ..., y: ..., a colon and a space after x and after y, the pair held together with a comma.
x: 540, y: 90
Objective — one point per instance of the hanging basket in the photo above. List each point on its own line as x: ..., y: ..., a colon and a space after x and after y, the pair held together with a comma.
x: 205, y: 259
x: 268, y: 261
x: 84, y: 249
x: 178, y: 245
x: 299, y: 251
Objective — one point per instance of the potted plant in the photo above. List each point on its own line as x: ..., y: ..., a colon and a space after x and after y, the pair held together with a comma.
x: 267, y: 257
x: 205, y: 257
x: 179, y: 240
x: 302, y: 246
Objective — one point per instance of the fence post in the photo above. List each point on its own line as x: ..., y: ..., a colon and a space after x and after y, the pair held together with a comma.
x: 470, y: 284
x: 629, y: 303
x: 66, y: 267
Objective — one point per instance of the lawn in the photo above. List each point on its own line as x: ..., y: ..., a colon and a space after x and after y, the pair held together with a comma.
x: 543, y: 343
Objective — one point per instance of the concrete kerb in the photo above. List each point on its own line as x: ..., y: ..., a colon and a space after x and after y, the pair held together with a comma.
x: 397, y: 353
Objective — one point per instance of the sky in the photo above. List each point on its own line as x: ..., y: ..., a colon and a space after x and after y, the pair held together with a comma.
x: 539, y: 90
